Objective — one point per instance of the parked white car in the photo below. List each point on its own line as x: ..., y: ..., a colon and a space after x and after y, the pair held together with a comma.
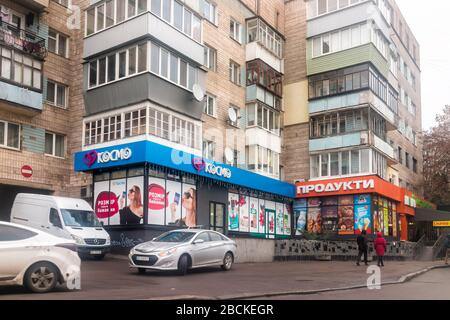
x: 68, y: 218
x: 37, y: 260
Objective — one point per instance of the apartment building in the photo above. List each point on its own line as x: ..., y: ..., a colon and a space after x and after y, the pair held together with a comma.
x: 35, y: 98
x: 363, y: 110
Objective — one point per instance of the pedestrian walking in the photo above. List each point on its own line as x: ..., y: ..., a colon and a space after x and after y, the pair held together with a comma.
x: 447, y: 244
x: 362, y: 247
x: 380, y: 248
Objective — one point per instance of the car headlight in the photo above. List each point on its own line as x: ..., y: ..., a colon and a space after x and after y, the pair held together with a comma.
x: 167, y: 252
x: 77, y: 239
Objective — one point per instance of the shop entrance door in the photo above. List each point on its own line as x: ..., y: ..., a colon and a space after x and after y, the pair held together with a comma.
x: 217, y: 217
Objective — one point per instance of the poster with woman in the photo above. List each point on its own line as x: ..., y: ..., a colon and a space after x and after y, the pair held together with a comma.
x: 157, y: 201
x: 189, y: 205
x: 314, y: 220
x: 262, y: 216
x: 287, y: 219
x: 131, y: 210
x: 253, y: 215
x: 119, y: 195
x: 244, y: 218
x: 233, y: 212
x: 101, y: 198
x: 300, y: 211
x: 279, y: 219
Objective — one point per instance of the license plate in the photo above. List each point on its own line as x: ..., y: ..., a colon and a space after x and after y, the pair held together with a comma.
x: 96, y: 252
x: 142, y: 258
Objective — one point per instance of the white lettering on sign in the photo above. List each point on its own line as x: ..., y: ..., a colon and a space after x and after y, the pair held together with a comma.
x: 217, y: 170
x: 114, y: 155
x: 337, y: 186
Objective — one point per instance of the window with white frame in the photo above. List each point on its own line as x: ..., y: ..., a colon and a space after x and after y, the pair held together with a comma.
x: 210, y: 105
x: 320, y: 7
x: 54, y: 145
x: 209, y: 11
x: 263, y: 117
x: 58, y: 43
x: 56, y: 94
x: 9, y: 135
x: 235, y: 73
x: 20, y: 68
x: 235, y: 30
x: 209, y: 149
x: 210, y: 58
x: 257, y: 30
x: 263, y: 160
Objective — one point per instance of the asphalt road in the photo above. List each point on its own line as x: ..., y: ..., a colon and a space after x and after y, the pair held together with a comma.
x: 434, y: 285
x: 113, y: 279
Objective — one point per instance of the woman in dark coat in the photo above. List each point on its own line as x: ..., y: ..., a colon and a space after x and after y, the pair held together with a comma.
x: 380, y: 248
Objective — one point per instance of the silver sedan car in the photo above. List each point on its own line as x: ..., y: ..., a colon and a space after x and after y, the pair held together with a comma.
x: 181, y: 250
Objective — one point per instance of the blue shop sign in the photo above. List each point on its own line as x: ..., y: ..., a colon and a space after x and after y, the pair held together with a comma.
x: 150, y: 152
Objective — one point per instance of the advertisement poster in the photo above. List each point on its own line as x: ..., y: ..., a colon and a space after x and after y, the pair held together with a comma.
x: 330, y: 218
x: 131, y: 211
x: 287, y: 219
x: 279, y: 228
x: 394, y: 220
x: 346, y: 216
x: 270, y: 223
x: 362, y: 218
x: 314, y: 202
x: 173, y: 203
x: 244, y: 215
x: 376, y: 221
x: 119, y: 195
x: 101, y: 204
x: 262, y: 216
x: 254, y: 215
x: 300, y: 216
x: 233, y: 212
x: 362, y: 199
x: 189, y: 205
x: 157, y: 201
x: 386, y: 221
x: 314, y: 220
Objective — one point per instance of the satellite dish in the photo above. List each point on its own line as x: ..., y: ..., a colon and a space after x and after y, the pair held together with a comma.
x: 232, y: 115
x: 229, y: 155
x: 199, y: 95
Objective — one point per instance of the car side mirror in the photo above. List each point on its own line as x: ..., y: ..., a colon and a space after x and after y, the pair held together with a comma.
x: 199, y: 241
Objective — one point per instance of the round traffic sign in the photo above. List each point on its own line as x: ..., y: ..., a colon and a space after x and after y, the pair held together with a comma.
x: 26, y: 171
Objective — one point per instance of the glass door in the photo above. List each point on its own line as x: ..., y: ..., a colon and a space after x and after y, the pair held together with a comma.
x: 217, y: 217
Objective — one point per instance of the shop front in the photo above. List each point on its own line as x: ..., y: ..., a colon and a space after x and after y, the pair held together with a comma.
x: 342, y: 208
x: 143, y: 189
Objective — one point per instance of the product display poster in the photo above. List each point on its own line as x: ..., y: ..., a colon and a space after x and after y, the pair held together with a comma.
x: 233, y: 212
x: 189, y: 205
x: 386, y: 222
x: 394, y: 224
x: 133, y: 212
x: 287, y: 219
x: 346, y: 220
x: 253, y: 215
x: 376, y: 221
x: 101, y: 204
x: 262, y: 216
x: 279, y: 219
x: 363, y: 218
x: 313, y: 202
x: 174, y: 199
x: 244, y: 215
x: 300, y: 221
x: 300, y: 203
x: 119, y: 194
x: 314, y: 220
x: 270, y: 214
x: 157, y: 201
x: 362, y: 199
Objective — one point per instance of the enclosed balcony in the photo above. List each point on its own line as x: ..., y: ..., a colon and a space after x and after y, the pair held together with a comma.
x: 22, y: 40
x: 261, y: 74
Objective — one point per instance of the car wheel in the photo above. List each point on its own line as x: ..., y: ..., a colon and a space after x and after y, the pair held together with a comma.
x: 41, y: 277
x: 142, y: 270
x: 227, y: 262
x: 183, y: 265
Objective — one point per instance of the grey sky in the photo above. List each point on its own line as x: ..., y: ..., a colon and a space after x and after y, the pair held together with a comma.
x: 430, y: 24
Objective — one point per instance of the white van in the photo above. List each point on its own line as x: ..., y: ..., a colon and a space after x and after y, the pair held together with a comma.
x: 63, y: 217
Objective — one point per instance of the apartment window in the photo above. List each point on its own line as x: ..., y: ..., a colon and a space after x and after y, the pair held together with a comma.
x: 20, y: 68
x: 58, y: 43
x: 341, y: 123
x: 415, y: 165
x: 259, y: 31
x: 209, y: 149
x: 263, y: 117
x: 400, y: 155
x: 209, y: 12
x: 235, y: 73
x: 64, y: 3
x: 263, y: 160
x: 56, y: 94
x: 210, y: 105
x: 235, y: 30
x: 210, y: 58
x: 9, y: 135
x: 407, y: 164
x: 54, y: 145
x: 320, y: 7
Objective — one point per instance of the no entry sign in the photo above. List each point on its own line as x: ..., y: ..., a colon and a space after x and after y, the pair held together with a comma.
x: 26, y: 171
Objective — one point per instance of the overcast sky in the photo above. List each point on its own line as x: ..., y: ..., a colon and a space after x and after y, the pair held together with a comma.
x: 430, y: 24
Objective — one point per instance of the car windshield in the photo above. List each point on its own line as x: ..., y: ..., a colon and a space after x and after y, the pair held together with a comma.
x: 175, y: 236
x: 80, y: 218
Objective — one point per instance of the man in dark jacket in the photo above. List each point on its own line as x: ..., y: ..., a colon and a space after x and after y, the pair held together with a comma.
x: 447, y: 244
x: 362, y: 247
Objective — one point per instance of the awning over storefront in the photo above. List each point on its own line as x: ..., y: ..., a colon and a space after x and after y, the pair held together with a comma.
x: 430, y: 215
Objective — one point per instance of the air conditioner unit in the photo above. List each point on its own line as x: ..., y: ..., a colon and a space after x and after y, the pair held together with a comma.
x: 86, y: 192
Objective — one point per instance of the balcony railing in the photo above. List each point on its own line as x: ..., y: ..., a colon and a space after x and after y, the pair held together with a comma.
x: 23, y: 40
